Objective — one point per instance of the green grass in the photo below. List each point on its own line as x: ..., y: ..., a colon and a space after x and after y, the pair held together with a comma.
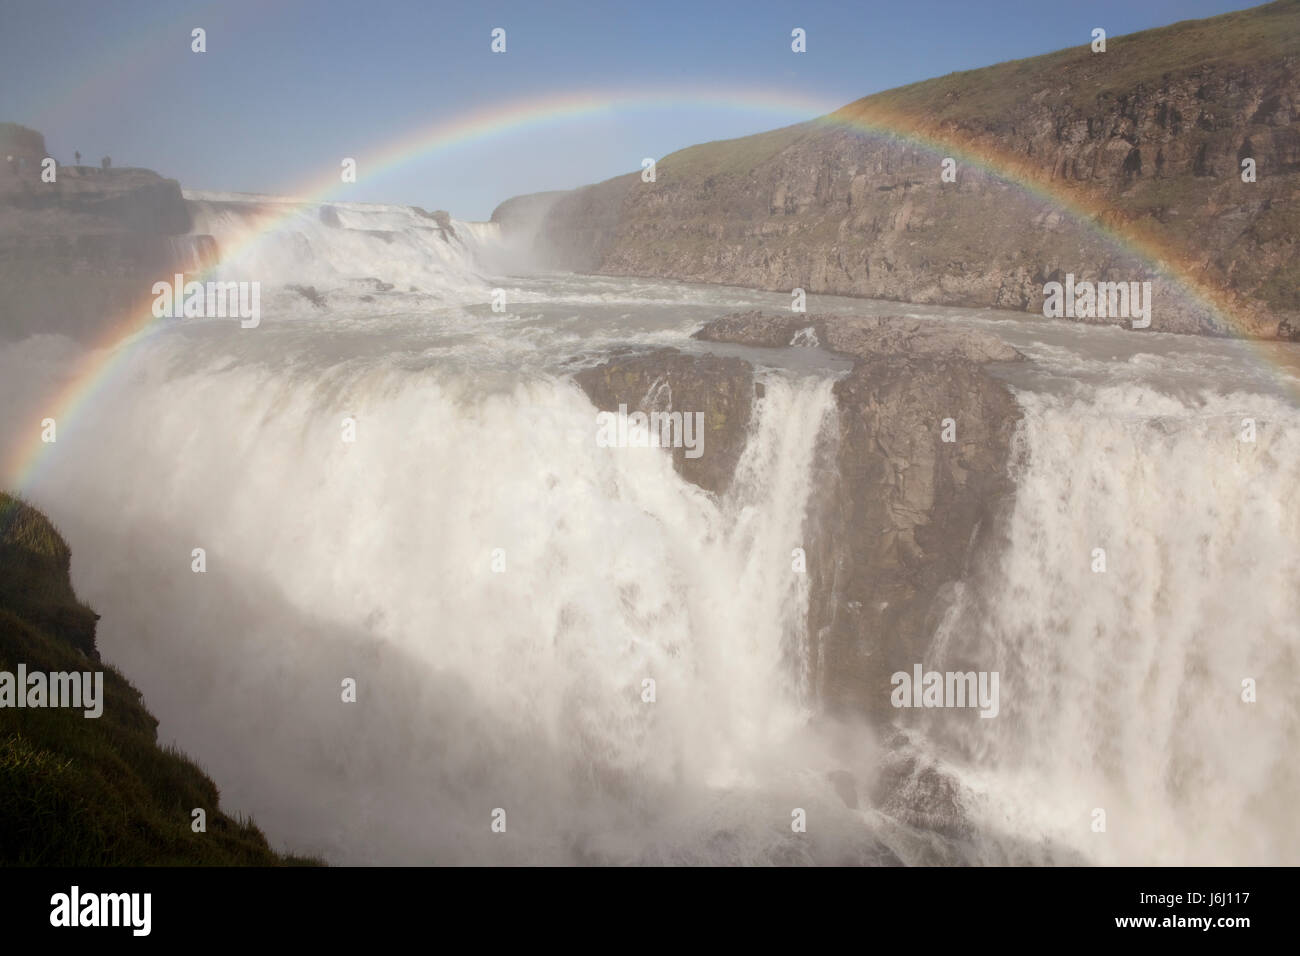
x: 730, y: 157
x: 91, y: 792
x: 989, y: 111
x: 990, y: 96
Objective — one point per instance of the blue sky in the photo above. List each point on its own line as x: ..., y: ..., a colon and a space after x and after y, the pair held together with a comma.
x: 288, y: 89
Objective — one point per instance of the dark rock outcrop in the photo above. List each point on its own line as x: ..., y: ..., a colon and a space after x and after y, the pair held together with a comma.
x: 900, y: 514
x: 36, y: 584
x: 443, y: 220
x: 666, y: 380
x: 914, y: 791
x: 911, y: 513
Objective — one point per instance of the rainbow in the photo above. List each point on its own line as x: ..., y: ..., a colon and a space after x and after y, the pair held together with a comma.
x: 1134, y: 237
x: 107, y: 354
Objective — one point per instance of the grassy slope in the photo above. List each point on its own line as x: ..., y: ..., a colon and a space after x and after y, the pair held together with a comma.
x: 974, y: 105
x: 1076, y: 81
x: 91, y: 792
x: 732, y: 157
x: 986, y: 98
x: 1077, y: 78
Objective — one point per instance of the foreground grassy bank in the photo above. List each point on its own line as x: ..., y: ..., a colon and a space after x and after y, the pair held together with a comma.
x: 78, y: 791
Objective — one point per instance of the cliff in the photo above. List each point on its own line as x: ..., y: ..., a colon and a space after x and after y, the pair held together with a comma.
x: 1146, y: 139
x: 81, y: 253
x: 78, y: 791
x: 666, y: 380
x: 902, y: 511
x: 900, y: 514
x: 898, y: 517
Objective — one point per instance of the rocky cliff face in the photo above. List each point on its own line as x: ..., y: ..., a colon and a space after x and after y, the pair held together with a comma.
x: 901, y: 513
x: 80, y: 253
x: 898, y: 518
x: 666, y: 380
x: 909, y: 487
x: 1147, y: 137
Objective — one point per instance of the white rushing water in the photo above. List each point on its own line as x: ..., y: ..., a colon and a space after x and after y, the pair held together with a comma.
x: 346, y: 251
x: 1123, y: 690
x: 522, y: 689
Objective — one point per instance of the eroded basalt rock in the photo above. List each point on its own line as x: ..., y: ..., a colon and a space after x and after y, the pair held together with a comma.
x: 896, y: 519
x: 763, y: 329
x: 911, y: 514
x: 840, y: 206
x: 899, y: 514
x: 667, y: 380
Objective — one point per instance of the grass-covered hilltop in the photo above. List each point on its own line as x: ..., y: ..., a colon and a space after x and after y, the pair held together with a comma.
x: 1101, y: 164
x: 79, y: 791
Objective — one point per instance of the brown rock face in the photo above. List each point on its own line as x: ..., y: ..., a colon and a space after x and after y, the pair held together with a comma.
x: 755, y: 328
x: 1149, y: 137
x: 911, y: 514
x: 667, y: 380
x: 900, y: 514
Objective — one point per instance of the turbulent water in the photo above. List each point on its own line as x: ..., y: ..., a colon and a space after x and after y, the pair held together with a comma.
x: 522, y: 688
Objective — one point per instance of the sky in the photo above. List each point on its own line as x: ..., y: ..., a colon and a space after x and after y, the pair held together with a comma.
x: 286, y: 90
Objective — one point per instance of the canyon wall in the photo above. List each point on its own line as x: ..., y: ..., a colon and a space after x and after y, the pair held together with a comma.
x: 1113, y: 166
x: 81, y: 253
